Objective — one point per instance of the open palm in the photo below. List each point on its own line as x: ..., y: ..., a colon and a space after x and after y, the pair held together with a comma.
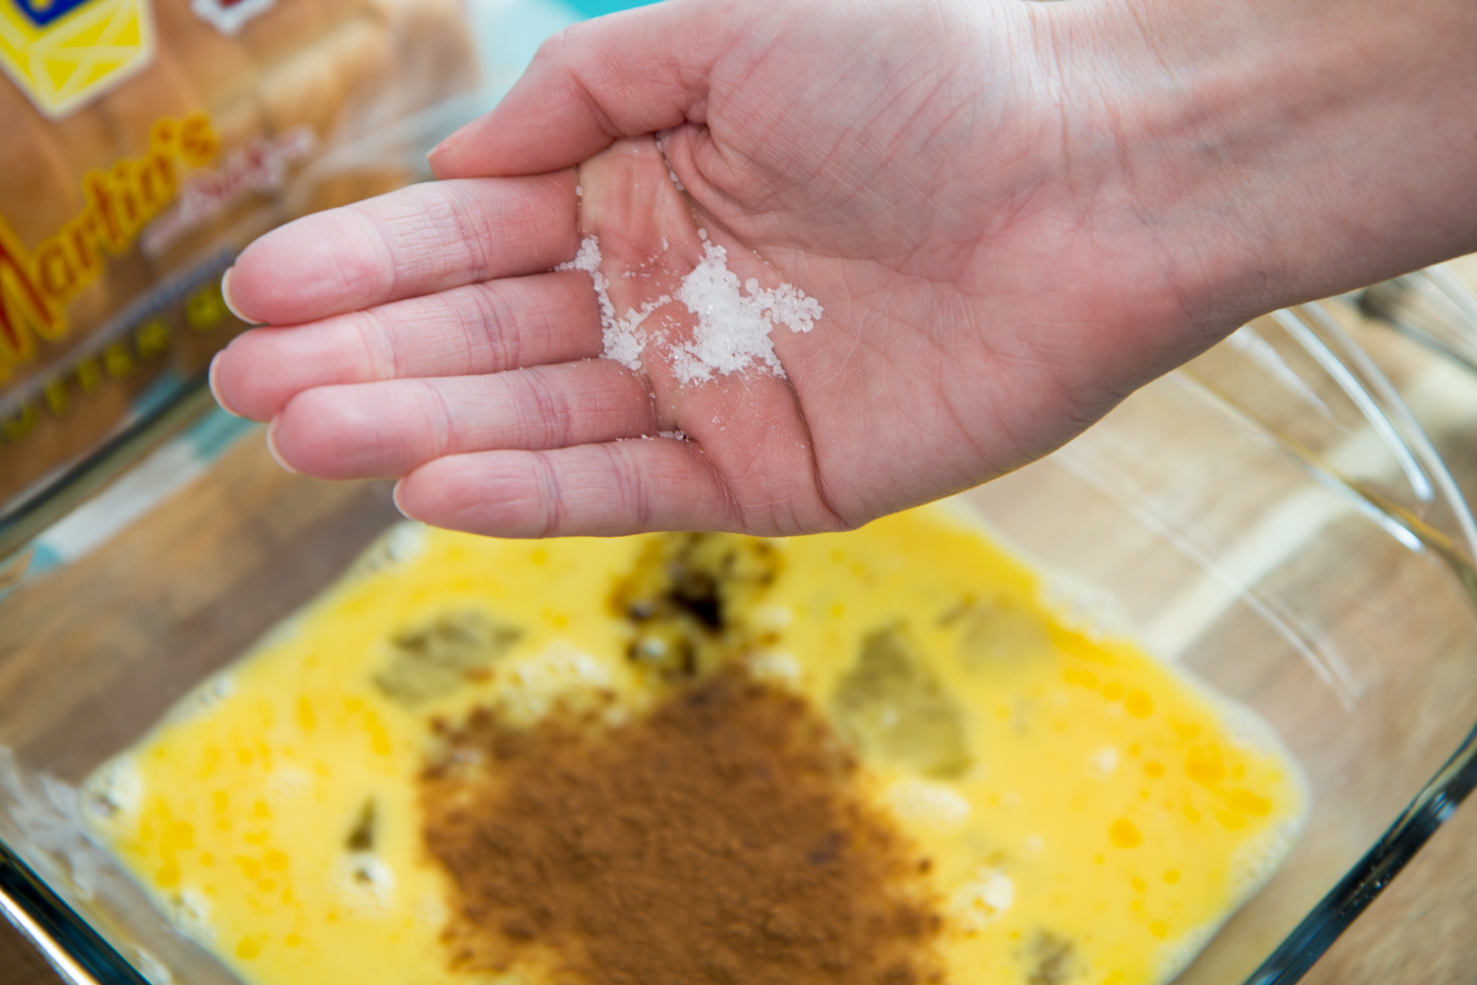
x: 920, y: 168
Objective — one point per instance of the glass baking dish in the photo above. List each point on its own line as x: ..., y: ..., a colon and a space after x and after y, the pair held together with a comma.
x: 1274, y: 517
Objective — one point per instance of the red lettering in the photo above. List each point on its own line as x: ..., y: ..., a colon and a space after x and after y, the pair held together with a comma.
x: 21, y: 303
x: 58, y: 277
x: 100, y: 200
x: 82, y: 233
x: 129, y: 213
x: 34, y: 290
x: 156, y: 182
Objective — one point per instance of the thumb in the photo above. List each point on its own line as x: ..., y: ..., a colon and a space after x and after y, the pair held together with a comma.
x: 622, y: 75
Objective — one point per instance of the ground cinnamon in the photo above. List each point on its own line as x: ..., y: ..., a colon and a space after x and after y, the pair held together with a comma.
x: 719, y: 840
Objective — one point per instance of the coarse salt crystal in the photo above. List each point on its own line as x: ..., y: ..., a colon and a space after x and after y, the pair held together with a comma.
x: 623, y: 338
x: 733, y: 325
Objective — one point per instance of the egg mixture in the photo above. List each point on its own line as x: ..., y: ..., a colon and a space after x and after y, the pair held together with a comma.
x: 876, y: 756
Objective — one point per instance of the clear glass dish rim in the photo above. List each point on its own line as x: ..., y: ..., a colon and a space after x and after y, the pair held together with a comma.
x: 82, y: 956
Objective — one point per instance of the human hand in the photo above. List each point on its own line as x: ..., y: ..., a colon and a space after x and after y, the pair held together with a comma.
x: 949, y: 180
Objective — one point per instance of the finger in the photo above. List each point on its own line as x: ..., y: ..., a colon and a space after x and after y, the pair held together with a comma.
x: 387, y: 429
x: 627, y: 74
x: 467, y: 331
x: 599, y: 490
x: 414, y: 241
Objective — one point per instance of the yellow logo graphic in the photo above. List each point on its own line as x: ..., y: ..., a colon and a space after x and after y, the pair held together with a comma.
x: 64, y: 52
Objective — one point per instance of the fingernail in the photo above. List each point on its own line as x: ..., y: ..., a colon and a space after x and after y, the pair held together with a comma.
x: 214, y: 390
x: 272, y: 449
x: 395, y: 498
x: 231, y: 305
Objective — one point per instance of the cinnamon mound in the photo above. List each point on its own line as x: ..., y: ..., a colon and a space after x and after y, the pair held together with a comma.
x: 719, y: 840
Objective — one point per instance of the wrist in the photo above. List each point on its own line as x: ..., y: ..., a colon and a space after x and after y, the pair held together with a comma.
x: 1280, y: 150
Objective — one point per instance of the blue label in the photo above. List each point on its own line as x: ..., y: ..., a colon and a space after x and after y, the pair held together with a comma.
x: 44, y: 12
x: 594, y: 8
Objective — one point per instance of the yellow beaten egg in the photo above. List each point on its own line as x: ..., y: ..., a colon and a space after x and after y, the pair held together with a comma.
x: 1077, y: 811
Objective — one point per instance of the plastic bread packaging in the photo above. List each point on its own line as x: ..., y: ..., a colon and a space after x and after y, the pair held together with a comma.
x: 134, y: 174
